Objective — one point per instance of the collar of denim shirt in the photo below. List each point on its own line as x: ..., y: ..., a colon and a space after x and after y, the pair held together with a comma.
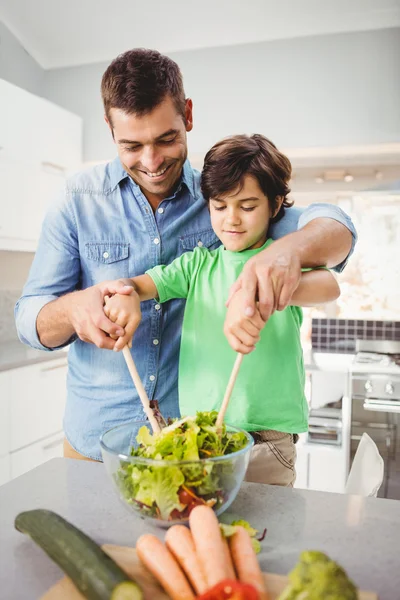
x: 118, y: 173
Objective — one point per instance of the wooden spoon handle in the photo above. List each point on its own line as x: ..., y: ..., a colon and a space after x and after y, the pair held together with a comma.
x: 130, y: 363
x: 229, y: 389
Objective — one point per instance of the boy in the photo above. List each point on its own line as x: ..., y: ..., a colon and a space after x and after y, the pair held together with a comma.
x: 245, y: 182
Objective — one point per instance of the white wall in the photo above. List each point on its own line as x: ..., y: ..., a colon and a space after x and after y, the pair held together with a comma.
x: 17, y: 66
x: 14, y: 269
x: 318, y: 91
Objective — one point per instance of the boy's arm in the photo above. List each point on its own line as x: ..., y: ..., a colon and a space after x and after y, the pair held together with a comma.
x: 316, y: 287
x: 144, y: 287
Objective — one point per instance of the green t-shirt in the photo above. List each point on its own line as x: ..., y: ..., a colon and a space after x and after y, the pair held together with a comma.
x: 269, y: 389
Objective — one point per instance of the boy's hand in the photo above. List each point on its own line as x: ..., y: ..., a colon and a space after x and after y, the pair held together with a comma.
x: 125, y: 311
x: 242, y: 332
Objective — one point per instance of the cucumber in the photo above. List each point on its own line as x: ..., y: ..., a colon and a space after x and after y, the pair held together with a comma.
x: 93, y: 572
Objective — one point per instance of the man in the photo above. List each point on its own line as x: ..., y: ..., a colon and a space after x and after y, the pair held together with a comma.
x: 118, y: 220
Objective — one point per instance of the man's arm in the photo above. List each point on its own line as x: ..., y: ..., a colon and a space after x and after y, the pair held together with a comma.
x: 316, y: 287
x: 51, y: 313
x: 272, y: 275
x: 78, y: 314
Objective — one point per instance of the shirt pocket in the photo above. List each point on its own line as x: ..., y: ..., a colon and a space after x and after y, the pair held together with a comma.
x: 202, y: 239
x: 107, y: 260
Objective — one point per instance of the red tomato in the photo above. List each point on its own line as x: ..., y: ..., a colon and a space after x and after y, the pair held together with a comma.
x: 185, y: 497
x: 230, y: 590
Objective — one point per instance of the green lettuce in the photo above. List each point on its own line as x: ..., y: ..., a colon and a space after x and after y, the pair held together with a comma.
x: 229, y: 530
x: 160, y: 486
x: 155, y: 488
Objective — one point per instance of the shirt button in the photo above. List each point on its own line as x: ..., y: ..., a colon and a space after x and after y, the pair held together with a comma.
x: 157, y: 306
x: 161, y: 210
x: 156, y: 342
x: 200, y: 244
x: 156, y: 241
x: 152, y: 377
x: 105, y: 255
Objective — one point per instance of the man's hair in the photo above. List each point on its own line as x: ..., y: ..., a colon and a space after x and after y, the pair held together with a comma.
x: 139, y: 80
x: 231, y: 159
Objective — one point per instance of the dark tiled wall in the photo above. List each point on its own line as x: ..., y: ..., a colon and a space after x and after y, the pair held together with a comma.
x: 339, y: 335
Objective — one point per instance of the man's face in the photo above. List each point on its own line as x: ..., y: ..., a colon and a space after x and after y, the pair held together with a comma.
x: 153, y: 147
x: 241, y: 218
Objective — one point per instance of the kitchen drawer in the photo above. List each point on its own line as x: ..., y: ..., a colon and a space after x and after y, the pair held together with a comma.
x: 36, y: 454
x: 38, y: 401
x: 5, y: 474
x: 5, y: 391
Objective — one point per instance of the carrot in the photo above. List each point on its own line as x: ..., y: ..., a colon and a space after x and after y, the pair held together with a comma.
x: 228, y: 560
x: 160, y: 562
x: 209, y: 544
x: 180, y: 542
x: 246, y: 563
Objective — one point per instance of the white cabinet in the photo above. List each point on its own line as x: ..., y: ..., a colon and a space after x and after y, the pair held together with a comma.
x: 32, y: 401
x: 40, y: 144
x: 5, y: 470
x: 320, y: 467
x: 36, y: 454
x: 35, y: 129
x: 327, y: 470
x: 302, y: 467
x: 37, y: 407
x: 5, y: 392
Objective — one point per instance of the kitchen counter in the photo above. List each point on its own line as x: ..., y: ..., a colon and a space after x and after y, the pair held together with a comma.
x: 327, y: 361
x: 362, y: 533
x: 14, y: 355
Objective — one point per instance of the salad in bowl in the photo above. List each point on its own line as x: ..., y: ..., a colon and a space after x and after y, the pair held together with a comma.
x: 190, y: 462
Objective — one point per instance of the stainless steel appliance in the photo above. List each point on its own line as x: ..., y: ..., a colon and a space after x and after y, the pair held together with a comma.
x: 375, y: 391
x: 325, y: 426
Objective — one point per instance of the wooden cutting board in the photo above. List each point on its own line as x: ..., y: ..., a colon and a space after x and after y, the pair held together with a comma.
x: 129, y: 562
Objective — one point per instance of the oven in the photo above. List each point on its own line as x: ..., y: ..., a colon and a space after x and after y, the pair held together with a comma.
x: 375, y: 409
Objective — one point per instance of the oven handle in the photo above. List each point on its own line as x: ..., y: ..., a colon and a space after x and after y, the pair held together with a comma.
x: 382, y: 406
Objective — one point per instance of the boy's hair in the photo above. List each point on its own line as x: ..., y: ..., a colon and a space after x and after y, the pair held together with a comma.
x: 231, y: 159
x: 139, y: 80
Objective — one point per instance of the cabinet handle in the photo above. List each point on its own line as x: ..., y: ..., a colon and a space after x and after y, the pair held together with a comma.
x: 54, y: 368
x: 52, y: 165
x: 53, y: 444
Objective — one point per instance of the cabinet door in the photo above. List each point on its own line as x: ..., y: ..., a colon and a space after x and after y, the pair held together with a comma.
x: 327, y: 470
x: 27, y: 191
x: 36, y: 454
x: 32, y: 126
x: 302, y: 465
x: 5, y: 469
x: 5, y: 391
x: 60, y: 141
x: 18, y: 206
x: 38, y: 401
x: 19, y: 119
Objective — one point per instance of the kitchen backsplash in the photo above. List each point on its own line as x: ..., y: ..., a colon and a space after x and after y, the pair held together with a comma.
x: 8, y: 298
x: 340, y: 335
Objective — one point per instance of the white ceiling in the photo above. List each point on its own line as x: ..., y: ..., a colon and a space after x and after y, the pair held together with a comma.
x: 59, y: 33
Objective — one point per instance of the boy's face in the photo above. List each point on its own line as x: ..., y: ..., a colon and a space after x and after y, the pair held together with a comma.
x: 240, y: 218
x: 152, y: 147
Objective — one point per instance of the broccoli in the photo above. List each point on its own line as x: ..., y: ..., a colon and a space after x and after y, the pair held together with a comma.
x: 317, y: 577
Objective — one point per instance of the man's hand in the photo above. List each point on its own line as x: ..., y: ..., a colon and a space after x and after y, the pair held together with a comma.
x: 124, y: 311
x: 241, y: 331
x: 86, y: 313
x: 270, y: 277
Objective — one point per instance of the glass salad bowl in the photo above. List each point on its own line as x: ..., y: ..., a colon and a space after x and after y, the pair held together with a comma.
x: 163, y: 477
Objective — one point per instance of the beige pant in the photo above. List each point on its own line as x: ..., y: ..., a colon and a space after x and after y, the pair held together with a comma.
x: 273, y: 459
x: 69, y: 452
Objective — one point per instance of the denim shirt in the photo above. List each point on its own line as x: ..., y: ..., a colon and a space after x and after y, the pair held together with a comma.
x: 103, y: 228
